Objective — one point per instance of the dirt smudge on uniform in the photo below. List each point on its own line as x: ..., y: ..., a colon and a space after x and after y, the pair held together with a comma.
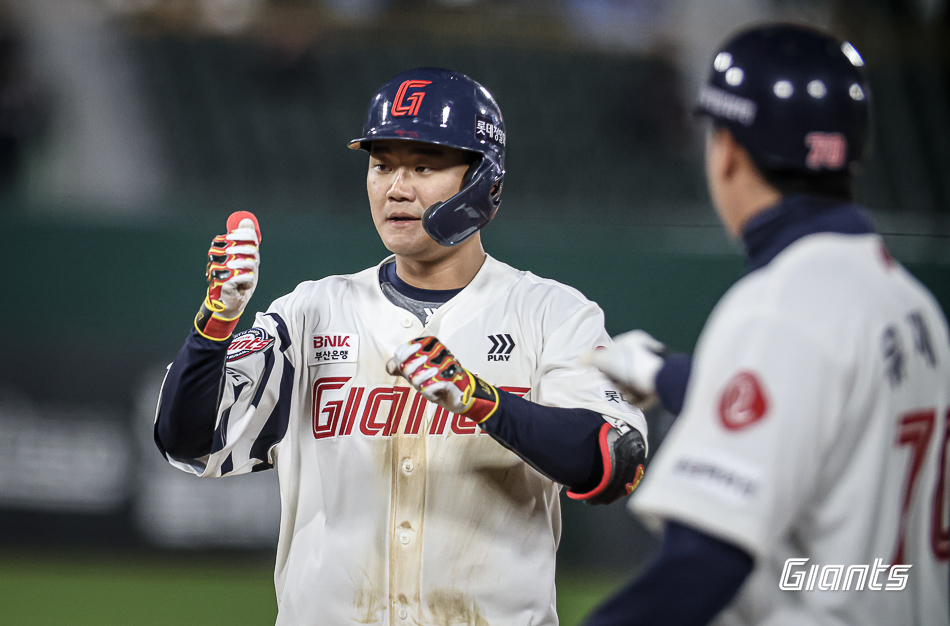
x: 509, y: 482
x: 367, y: 605
x: 451, y: 607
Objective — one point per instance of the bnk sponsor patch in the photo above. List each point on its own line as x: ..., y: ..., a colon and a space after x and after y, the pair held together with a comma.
x: 333, y: 348
x: 247, y: 343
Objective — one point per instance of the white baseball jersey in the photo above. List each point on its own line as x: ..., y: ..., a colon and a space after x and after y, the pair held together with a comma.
x: 815, y: 427
x: 394, y: 511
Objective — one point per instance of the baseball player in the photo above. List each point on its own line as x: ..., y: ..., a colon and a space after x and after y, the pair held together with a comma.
x: 805, y: 479
x: 398, y: 505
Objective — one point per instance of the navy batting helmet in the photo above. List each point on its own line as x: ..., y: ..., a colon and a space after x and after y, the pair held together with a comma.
x: 443, y: 107
x: 793, y: 96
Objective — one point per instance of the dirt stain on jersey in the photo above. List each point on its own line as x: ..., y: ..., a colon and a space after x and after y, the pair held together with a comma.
x: 509, y: 482
x: 367, y: 606
x: 451, y: 607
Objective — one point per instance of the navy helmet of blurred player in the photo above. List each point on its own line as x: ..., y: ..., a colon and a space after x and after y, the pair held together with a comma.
x: 796, y: 99
x: 458, y: 113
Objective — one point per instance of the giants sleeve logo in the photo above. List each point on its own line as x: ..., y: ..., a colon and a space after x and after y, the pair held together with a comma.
x: 247, y: 343
x: 743, y: 402
x: 826, y: 151
x: 400, y: 107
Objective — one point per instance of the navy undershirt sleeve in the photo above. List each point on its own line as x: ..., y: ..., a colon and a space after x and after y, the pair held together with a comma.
x: 188, y: 410
x: 561, y: 443
x: 672, y: 380
x: 688, y: 583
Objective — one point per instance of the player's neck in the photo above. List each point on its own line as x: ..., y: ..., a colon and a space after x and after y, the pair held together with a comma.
x: 452, y: 272
x: 748, y: 196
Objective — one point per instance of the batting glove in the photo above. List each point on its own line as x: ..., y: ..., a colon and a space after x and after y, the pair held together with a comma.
x: 232, y: 270
x: 435, y: 373
x: 632, y: 361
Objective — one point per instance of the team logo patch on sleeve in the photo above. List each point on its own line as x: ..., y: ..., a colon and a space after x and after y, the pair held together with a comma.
x: 743, y: 402
x: 247, y: 343
x: 333, y: 348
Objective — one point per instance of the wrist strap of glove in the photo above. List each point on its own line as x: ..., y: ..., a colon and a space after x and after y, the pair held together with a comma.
x: 481, y: 399
x: 211, y: 325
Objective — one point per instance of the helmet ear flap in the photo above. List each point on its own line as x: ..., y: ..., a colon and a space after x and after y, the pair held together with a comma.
x: 451, y: 222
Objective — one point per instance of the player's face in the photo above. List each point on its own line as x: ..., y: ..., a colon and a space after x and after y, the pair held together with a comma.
x: 404, y: 179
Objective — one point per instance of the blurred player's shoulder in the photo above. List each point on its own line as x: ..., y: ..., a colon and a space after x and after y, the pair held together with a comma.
x: 832, y: 268
x: 816, y: 285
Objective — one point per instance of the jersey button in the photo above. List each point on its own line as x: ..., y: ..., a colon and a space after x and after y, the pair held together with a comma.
x: 402, y: 613
x: 406, y: 322
x: 408, y: 465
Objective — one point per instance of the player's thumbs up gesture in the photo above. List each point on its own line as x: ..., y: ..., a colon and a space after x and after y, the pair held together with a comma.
x: 436, y: 374
x: 232, y: 270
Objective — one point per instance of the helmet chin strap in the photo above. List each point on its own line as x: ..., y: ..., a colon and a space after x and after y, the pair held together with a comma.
x: 453, y: 221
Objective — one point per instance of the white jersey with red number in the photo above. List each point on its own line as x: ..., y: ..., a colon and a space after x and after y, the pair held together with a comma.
x: 394, y: 511
x: 815, y: 428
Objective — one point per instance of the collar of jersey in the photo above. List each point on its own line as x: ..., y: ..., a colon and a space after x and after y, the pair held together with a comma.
x: 387, y: 274
x: 773, y: 230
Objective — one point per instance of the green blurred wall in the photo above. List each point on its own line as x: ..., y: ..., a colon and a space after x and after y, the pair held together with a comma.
x: 120, y: 288
x: 91, y: 309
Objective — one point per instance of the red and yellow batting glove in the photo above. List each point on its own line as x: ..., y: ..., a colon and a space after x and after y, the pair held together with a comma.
x: 435, y: 373
x: 232, y: 270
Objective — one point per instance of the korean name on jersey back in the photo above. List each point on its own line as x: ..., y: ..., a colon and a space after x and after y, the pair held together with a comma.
x: 333, y: 348
x: 248, y: 342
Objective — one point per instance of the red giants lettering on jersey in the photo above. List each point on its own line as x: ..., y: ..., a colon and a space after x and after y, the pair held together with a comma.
x: 381, y: 411
x: 742, y: 402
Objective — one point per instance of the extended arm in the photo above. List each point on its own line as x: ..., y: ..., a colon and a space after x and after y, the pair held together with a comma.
x: 572, y: 446
x: 205, y: 406
x: 188, y: 408
x: 639, y: 364
x: 692, y: 579
x: 671, y: 381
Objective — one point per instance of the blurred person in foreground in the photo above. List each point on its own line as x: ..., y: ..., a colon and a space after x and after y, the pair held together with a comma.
x: 804, y: 481
x: 398, y: 505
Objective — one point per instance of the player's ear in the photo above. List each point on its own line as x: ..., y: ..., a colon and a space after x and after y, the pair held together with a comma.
x: 735, y: 158
x: 720, y: 153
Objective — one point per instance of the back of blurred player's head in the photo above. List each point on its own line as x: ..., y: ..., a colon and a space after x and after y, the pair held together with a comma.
x: 443, y: 107
x: 796, y: 99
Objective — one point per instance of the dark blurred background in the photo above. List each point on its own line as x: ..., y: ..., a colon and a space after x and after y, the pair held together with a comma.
x: 130, y: 129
